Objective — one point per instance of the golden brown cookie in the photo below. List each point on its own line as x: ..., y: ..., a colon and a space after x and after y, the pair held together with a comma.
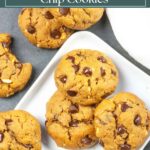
x: 70, y: 125
x: 87, y: 76
x: 122, y: 122
x: 78, y: 18
x: 19, y: 131
x: 14, y: 75
x: 42, y: 29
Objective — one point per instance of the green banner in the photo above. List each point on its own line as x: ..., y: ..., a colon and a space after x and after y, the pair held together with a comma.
x: 74, y: 3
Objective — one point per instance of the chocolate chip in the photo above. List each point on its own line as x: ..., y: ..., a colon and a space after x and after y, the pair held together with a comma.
x: 125, y: 147
x: 71, y: 93
x: 76, y: 68
x: 55, y: 34
x: 113, y: 72
x: 1, y: 137
x: 31, y: 29
x: 74, y: 108
x: 124, y: 107
x: 63, y: 78
x: 73, y: 123
x: 71, y: 58
x: 8, y: 121
x: 28, y: 146
x: 137, y: 120
x: 5, y: 45
x: 121, y: 130
x: 64, y: 11
x: 86, y: 140
x: 102, y: 71
x: 48, y: 15
x: 102, y: 59
x: 87, y: 71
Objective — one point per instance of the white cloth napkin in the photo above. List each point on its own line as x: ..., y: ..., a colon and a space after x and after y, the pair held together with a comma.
x: 131, y: 27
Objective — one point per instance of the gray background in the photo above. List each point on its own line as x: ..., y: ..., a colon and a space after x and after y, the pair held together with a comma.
x: 39, y: 58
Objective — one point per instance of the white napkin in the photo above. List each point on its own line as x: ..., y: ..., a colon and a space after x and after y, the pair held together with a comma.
x: 131, y: 27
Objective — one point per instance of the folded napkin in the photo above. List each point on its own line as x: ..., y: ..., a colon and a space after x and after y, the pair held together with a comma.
x: 131, y: 27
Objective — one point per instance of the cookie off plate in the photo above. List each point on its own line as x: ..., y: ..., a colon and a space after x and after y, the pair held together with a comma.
x: 132, y: 79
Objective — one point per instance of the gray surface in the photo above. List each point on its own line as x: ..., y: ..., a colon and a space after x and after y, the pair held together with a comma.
x: 39, y: 57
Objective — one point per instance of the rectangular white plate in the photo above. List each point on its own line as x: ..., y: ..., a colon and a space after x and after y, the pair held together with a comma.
x: 131, y: 79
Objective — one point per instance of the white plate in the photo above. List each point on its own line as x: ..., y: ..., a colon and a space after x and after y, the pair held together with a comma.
x: 131, y: 79
x: 131, y: 27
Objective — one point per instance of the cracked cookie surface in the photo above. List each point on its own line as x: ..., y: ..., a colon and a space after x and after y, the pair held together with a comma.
x: 42, y: 29
x: 19, y: 131
x: 78, y: 18
x: 70, y: 125
x: 14, y: 75
x: 122, y: 122
x: 87, y: 76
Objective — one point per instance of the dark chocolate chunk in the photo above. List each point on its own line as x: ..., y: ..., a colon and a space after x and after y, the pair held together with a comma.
x: 102, y: 59
x: 73, y: 123
x: 71, y: 58
x: 102, y: 72
x: 87, y: 71
x: 121, y: 130
x: 113, y: 72
x: 137, y: 120
x: 76, y: 68
x: 64, y: 11
x: 71, y: 93
x: 86, y: 140
x: 31, y: 29
x: 63, y: 78
x: 48, y: 15
x: 56, y: 34
x: 124, y: 107
x: 74, y: 108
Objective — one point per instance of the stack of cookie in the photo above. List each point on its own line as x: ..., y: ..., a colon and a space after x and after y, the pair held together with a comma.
x: 50, y: 27
x: 79, y: 115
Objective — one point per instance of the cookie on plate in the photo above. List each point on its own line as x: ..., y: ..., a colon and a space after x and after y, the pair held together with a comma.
x: 41, y: 28
x: 78, y: 18
x: 70, y: 125
x: 87, y: 76
x: 14, y: 75
x: 19, y: 131
x: 122, y: 122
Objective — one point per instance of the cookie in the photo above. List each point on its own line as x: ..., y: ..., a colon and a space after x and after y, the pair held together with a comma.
x: 14, y: 75
x: 42, y: 29
x: 122, y: 122
x: 87, y: 76
x: 70, y: 125
x: 19, y: 131
x: 78, y: 18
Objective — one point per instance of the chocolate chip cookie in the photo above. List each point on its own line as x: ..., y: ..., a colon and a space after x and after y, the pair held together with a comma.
x: 87, y: 76
x: 19, y: 131
x: 69, y: 124
x: 14, y: 75
x: 42, y: 28
x: 78, y: 18
x: 122, y: 122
